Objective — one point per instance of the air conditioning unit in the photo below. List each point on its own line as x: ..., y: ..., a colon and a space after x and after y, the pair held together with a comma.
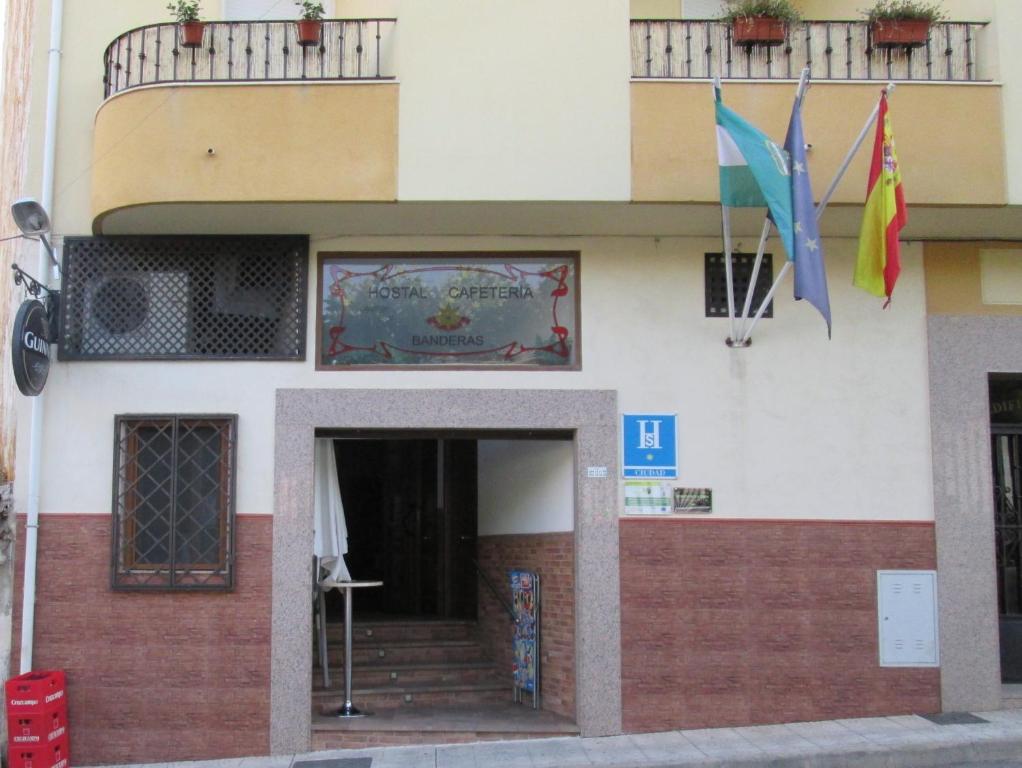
x: 136, y: 314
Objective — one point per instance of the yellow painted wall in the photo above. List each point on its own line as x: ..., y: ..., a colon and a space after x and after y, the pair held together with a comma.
x: 949, y: 137
x: 964, y: 10
x: 271, y: 143
x: 954, y: 279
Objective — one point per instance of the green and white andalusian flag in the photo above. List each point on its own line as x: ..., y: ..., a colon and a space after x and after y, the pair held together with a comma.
x: 754, y: 171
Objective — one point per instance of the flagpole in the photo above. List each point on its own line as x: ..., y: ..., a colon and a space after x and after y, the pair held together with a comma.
x: 768, y: 298
x: 725, y: 215
x: 823, y: 203
x: 848, y: 158
x: 725, y: 219
x: 803, y: 85
x: 755, y: 277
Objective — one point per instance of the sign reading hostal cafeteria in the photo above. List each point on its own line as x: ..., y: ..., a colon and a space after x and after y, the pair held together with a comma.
x: 483, y: 309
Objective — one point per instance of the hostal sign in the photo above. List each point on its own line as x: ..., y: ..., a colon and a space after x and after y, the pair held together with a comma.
x: 509, y: 309
x: 30, y: 350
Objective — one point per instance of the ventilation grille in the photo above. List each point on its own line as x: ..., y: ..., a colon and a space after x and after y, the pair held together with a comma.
x: 716, y: 283
x: 184, y: 298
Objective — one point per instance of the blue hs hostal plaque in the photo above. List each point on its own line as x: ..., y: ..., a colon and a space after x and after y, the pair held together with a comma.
x: 650, y: 445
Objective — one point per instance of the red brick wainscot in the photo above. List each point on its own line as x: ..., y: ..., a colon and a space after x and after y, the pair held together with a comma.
x: 738, y: 622
x: 552, y: 556
x: 152, y: 676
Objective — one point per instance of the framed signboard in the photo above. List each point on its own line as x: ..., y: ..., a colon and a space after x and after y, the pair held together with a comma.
x: 479, y: 310
x: 525, y: 599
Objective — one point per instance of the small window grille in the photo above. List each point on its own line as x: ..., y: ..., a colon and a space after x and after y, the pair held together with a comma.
x: 174, y: 502
x: 186, y: 298
x: 742, y: 264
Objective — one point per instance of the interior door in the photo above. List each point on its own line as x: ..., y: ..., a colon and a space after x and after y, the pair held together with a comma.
x: 458, y: 504
x: 1007, y: 472
x: 389, y: 489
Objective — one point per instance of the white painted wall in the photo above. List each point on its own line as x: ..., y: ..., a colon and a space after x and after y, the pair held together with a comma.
x: 796, y: 426
x: 526, y: 486
x: 527, y: 101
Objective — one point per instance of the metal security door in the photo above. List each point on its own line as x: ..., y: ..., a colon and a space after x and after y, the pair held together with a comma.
x: 1007, y: 472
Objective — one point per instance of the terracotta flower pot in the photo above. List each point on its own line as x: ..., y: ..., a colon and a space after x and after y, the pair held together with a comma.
x: 757, y: 30
x: 908, y: 33
x: 308, y: 31
x: 191, y: 34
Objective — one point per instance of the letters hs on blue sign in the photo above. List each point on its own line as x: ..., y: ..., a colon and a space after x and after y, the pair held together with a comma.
x: 650, y: 445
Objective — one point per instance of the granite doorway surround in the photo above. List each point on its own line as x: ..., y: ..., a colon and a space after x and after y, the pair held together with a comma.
x: 592, y: 417
x: 964, y: 350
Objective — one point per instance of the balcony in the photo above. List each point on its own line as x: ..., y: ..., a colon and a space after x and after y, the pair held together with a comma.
x: 250, y: 116
x: 833, y: 50
x: 249, y: 51
x: 948, y: 122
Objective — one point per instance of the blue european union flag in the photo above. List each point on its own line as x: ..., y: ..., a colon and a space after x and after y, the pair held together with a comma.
x: 650, y: 445
x: 810, y: 273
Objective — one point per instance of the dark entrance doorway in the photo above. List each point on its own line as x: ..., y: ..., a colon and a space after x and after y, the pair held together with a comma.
x: 1006, y: 451
x: 411, y: 511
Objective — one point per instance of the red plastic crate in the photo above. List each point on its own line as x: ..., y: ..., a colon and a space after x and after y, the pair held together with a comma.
x: 55, y: 755
x: 42, y: 728
x: 35, y: 692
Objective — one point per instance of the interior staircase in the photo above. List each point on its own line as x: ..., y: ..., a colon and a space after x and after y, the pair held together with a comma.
x: 426, y: 682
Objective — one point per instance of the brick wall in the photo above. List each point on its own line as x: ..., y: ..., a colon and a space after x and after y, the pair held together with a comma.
x: 152, y: 677
x: 552, y: 556
x: 747, y: 622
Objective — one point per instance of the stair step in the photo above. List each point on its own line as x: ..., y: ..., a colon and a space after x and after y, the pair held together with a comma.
x: 439, y: 725
x: 411, y: 652
x: 322, y: 740
x: 380, y: 675
x: 393, y: 697
x: 404, y: 631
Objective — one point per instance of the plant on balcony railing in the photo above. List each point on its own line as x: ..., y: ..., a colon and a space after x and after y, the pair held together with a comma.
x: 310, y: 22
x: 902, y: 22
x: 187, y: 16
x: 760, y: 22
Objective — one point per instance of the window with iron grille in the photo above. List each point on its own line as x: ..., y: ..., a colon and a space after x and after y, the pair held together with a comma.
x: 741, y: 269
x: 174, y: 502
x: 184, y: 298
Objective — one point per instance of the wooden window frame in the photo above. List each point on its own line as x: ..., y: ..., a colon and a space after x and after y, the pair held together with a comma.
x: 127, y: 573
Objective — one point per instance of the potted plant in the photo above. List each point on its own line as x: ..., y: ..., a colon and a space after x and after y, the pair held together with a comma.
x: 759, y: 22
x: 186, y: 13
x: 903, y: 23
x: 310, y: 22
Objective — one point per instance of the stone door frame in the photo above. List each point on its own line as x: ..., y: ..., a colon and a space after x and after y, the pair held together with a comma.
x: 591, y: 416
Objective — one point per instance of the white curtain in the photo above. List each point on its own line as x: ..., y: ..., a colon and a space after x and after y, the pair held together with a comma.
x: 330, y: 543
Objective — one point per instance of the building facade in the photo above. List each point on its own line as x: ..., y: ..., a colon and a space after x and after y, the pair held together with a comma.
x: 227, y: 215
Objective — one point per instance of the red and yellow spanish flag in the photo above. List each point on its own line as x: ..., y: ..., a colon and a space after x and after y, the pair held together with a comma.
x: 879, y: 260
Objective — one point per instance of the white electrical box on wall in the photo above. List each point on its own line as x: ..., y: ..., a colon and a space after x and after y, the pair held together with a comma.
x: 907, y: 618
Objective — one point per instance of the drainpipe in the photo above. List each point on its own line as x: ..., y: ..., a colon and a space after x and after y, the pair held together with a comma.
x: 35, y: 436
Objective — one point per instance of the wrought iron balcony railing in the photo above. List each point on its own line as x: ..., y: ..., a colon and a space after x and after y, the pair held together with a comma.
x: 833, y: 50
x: 247, y: 51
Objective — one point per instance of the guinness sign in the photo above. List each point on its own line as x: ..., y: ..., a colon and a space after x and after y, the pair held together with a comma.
x: 30, y: 349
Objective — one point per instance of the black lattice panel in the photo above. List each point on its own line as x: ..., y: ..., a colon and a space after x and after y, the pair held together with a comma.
x: 741, y: 264
x: 174, y: 502
x: 145, y: 298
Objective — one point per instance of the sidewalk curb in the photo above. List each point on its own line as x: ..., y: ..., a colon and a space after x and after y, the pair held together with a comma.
x: 921, y: 756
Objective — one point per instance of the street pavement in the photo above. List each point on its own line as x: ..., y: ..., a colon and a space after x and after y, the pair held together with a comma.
x: 884, y: 742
